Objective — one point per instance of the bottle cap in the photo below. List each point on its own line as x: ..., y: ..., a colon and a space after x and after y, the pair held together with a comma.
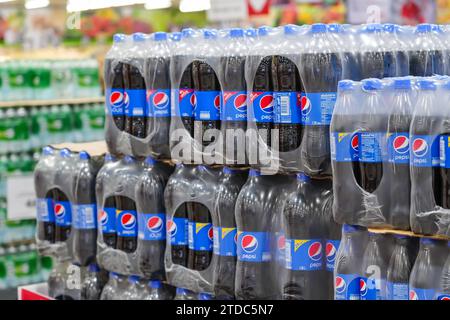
x: 236, y: 33
x: 65, y: 153
x: 139, y: 37
x: 427, y: 241
x: 290, y: 29
x: 372, y: 84
x: 250, y: 32
x: 400, y: 236
x: 175, y: 36
x: 303, y: 177
x: 187, y: 32
x: 426, y: 84
x: 181, y: 291
x: 114, y: 275
x: 93, y: 267
x: 109, y: 157
x: 204, y: 296
x: 154, y: 284
x: 160, y: 36
x: 436, y: 28
x: 264, y: 31
x: 133, y: 279
x: 390, y: 27
x: 228, y: 170
x: 423, y: 28
x: 348, y: 228
x: 335, y: 28
x: 254, y: 173
x: 84, y: 155
x: 150, y: 161
x: 402, y: 84
x: 47, y: 150
x: 118, y: 37
x: 128, y: 159
x: 345, y: 85
x: 209, y: 34
x: 319, y: 28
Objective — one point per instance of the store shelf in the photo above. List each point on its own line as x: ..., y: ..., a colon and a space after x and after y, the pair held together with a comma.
x: 95, y: 148
x: 406, y: 233
x: 33, y: 103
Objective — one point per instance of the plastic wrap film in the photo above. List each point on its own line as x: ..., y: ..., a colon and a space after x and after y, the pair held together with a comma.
x: 132, y: 227
x: 66, y: 205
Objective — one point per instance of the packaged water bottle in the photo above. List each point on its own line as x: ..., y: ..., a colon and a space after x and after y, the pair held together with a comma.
x: 426, y: 272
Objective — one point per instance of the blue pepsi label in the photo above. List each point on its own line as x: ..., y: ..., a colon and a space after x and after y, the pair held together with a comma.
x: 346, y: 287
x: 280, y: 253
x: 372, y: 288
x: 253, y: 246
x: 344, y: 147
x: 224, y: 241
x: 200, y: 236
x: 331, y: 248
x: 421, y: 294
x: 63, y: 213
x: 370, y: 146
x: 158, y: 102
x: 126, y: 223
x: 234, y: 106
x: 85, y: 216
x: 304, y: 255
x: 152, y: 226
x: 116, y: 101
x: 445, y: 297
x: 44, y: 210
x: 397, y: 291
x: 398, y: 147
x: 425, y: 151
x: 207, y: 105
x: 286, y: 107
x: 317, y: 108
x: 444, y: 146
x: 107, y: 220
x: 137, y: 106
x: 177, y: 230
x: 262, y: 106
x: 185, y: 101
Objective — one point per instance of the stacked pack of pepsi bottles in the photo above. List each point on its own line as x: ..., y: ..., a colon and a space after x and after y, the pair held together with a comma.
x: 261, y: 97
x: 375, y: 266
x: 390, y: 154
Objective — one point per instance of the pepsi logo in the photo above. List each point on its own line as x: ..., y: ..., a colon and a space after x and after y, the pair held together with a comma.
x: 444, y: 298
x: 362, y: 287
x: 413, y: 295
x: 249, y: 243
x: 217, y: 102
x: 211, y: 233
x: 330, y: 251
x: 155, y: 224
x: 305, y: 104
x: 401, y: 144
x: 339, y: 284
x: 116, y: 98
x: 281, y: 243
x: 160, y: 100
x: 128, y: 221
x: 193, y: 100
x: 171, y: 228
x: 315, y: 251
x: 420, y: 147
x: 126, y: 100
x: 355, y: 143
x: 103, y: 218
x: 266, y: 103
x: 60, y: 211
x: 240, y: 102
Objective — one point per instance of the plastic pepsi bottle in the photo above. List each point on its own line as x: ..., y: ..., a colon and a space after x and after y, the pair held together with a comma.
x: 233, y: 114
x: 425, y: 58
x: 116, y: 97
x: 134, y: 83
x: 85, y: 211
x: 347, y: 268
x: 93, y: 283
x: 374, y: 269
x: 62, y: 206
x: 261, y: 96
x: 444, y: 147
x: 444, y: 284
x: 151, y: 221
x: 109, y: 290
x: 392, y: 37
x: 224, y: 227
x: 207, y: 92
x: 426, y: 272
x: 321, y: 70
x: 287, y: 89
x: 304, y: 232
x: 399, y: 269
x: 157, y: 71
x: 44, y: 201
x: 107, y: 218
x: 426, y: 186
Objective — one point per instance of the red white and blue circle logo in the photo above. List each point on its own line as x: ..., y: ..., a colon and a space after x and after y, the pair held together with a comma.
x: 306, y: 106
x: 401, y: 144
x: 160, y: 100
x: 128, y: 221
x: 103, y: 218
x: 240, y: 102
x: 217, y: 102
x: 171, y: 228
x: 211, y: 233
x: 330, y: 251
x: 362, y: 287
x: 281, y: 243
x: 60, y: 211
x: 339, y: 284
x: 355, y: 143
x: 116, y: 98
x: 155, y: 224
x: 315, y: 251
x: 193, y: 100
x: 266, y: 103
x: 249, y: 243
x: 420, y: 147
x: 413, y: 295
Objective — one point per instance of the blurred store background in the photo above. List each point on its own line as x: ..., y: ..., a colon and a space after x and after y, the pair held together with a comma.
x: 51, y: 81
